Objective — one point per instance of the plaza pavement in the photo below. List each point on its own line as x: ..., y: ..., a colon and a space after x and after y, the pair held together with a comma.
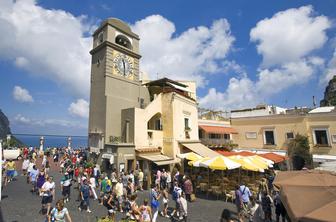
x: 20, y: 205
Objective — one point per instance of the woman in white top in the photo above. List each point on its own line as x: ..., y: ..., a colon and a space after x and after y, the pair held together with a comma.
x: 25, y: 166
x: 146, y: 212
x: 59, y: 213
x: 93, y: 187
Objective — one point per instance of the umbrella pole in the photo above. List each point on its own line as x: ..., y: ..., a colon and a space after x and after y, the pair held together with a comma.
x: 239, y: 177
x: 209, y: 176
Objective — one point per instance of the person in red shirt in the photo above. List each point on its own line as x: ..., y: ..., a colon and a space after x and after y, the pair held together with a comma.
x: 74, y: 159
x: 76, y: 172
x: 25, y: 152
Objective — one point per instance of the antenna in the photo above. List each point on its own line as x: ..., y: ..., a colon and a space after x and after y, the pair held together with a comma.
x: 314, y: 102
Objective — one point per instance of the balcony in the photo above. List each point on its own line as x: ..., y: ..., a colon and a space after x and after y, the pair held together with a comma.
x: 155, y: 138
x: 207, y: 141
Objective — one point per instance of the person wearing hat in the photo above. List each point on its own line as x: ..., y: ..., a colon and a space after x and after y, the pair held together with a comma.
x: 65, y: 186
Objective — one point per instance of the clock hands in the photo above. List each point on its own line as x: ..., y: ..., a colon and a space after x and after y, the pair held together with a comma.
x: 124, y: 66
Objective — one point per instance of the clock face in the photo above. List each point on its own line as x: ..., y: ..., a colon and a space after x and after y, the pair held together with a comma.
x: 124, y: 65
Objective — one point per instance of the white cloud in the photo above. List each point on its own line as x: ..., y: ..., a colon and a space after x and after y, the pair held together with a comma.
x: 286, y: 41
x: 79, y: 108
x: 290, y: 35
x: 240, y: 93
x: 330, y: 71
x: 190, y: 55
x: 21, y: 120
x: 272, y: 81
x: 22, y: 95
x: 46, y: 42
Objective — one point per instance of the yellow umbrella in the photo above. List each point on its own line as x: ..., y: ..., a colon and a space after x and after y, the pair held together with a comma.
x: 196, y: 163
x: 190, y: 156
x: 248, y: 163
x: 220, y: 163
x: 261, y: 161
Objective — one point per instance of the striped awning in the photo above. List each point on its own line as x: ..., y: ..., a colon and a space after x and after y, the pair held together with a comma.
x: 218, y: 129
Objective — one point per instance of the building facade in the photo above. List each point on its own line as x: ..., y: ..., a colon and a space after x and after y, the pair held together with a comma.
x: 134, y: 122
x: 273, y: 132
x: 216, y: 134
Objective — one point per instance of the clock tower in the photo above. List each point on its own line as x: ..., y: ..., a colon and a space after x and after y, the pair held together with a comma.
x: 115, y: 83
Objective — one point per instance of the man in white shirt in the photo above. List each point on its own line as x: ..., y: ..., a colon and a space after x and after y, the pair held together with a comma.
x: 48, y: 189
x: 25, y: 165
x: 30, y: 168
x: 140, y: 178
x: 119, y: 189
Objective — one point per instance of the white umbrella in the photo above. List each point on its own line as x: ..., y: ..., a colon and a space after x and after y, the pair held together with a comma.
x: 220, y: 163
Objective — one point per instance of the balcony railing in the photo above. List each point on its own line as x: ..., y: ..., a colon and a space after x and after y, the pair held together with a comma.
x: 208, y: 141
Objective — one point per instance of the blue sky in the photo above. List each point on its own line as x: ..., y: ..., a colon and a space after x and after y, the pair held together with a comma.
x: 241, y: 53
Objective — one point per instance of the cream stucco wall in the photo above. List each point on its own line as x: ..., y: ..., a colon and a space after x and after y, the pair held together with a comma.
x: 184, y: 108
x: 282, y: 124
x: 173, y: 109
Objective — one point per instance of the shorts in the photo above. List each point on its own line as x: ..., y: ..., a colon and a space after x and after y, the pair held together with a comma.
x: 120, y: 199
x: 66, y: 191
x: 177, y: 205
x: 47, y: 199
x: 10, y: 173
x: 86, y: 201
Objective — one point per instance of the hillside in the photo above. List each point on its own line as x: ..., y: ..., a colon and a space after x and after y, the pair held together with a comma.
x: 4, y: 125
x: 5, y: 130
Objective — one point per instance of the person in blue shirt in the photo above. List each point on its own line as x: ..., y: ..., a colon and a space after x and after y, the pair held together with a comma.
x: 245, y: 195
x: 85, y: 196
x: 33, y: 177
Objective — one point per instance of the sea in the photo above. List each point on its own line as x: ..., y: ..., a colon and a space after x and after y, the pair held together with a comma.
x: 53, y: 140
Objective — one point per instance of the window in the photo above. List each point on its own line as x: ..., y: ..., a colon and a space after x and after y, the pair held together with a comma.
x: 227, y: 136
x: 321, y: 137
x: 290, y: 135
x: 251, y: 135
x: 101, y: 38
x: 186, y: 123
x: 158, y: 125
x: 214, y: 136
x: 269, y: 137
x: 200, y: 133
x: 123, y: 41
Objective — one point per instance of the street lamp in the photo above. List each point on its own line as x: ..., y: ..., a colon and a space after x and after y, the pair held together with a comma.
x: 69, y: 143
x: 41, y: 143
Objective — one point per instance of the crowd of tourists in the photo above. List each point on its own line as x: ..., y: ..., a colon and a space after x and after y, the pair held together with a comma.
x: 258, y: 207
x: 118, y: 191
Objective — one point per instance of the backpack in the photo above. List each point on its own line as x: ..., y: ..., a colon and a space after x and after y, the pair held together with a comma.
x: 175, y: 194
x: 108, y: 188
